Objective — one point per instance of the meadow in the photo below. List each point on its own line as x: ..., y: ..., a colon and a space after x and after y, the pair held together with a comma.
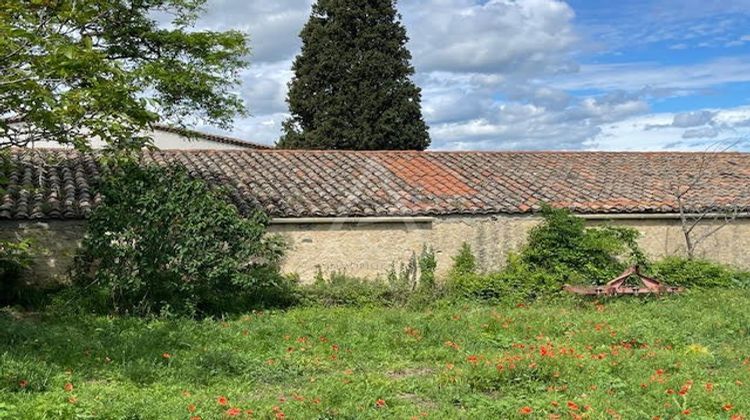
x: 669, y: 357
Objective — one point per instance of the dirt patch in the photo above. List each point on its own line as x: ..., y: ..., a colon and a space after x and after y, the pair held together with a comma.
x: 419, y: 401
x: 408, y: 373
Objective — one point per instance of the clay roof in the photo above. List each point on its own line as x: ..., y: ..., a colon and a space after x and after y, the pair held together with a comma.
x: 210, y: 137
x: 60, y: 184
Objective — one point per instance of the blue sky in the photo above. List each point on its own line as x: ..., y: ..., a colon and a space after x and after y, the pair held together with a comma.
x: 539, y: 74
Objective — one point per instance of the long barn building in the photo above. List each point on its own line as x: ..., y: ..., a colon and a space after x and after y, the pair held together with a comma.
x: 363, y: 212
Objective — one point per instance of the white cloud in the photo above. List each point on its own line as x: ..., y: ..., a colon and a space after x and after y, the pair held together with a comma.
x: 634, y: 76
x: 499, y: 74
x: 692, y: 119
x: 527, y: 37
x: 656, y: 132
x: 701, y: 133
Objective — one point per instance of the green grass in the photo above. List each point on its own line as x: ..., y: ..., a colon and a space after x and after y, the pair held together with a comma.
x: 626, y: 357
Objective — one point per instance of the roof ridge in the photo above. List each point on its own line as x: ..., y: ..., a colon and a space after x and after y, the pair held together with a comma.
x: 220, y: 138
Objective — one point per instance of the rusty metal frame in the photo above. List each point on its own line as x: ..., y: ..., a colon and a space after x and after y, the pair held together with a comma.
x: 617, y: 286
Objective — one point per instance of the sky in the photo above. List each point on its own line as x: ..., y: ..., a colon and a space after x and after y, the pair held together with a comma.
x: 537, y: 74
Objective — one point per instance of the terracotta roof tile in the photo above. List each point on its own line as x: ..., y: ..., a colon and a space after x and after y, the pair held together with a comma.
x: 60, y: 184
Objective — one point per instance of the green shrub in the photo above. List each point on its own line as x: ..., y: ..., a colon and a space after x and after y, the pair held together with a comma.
x: 427, y: 265
x: 162, y: 242
x: 464, y: 262
x: 560, y: 250
x: 678, y: 271
x: 340, y: 289
x: 564, y: 247
x: 15, y: 257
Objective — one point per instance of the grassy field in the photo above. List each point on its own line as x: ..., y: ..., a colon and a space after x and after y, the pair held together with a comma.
x: 628, y: 358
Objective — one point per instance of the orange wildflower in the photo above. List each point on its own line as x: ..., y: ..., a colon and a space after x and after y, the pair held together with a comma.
x: 526, y: 410
x: 727, y: 407
x: 234, y: 411
x: 191, y: 408
x: 572, y: 406
x: 68, y: 387
x: 23, y: 383
x: 222, y: 400
x: 380, y: 403
x: 166, y: 355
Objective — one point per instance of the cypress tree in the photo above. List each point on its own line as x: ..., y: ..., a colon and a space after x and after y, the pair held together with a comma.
x: 351, y: 87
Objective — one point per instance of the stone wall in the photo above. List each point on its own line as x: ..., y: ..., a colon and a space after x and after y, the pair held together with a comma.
x: 369, y: 249
x: 55, y: 243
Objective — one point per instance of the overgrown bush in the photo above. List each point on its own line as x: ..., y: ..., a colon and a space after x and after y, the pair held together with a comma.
x: 341, y: 289
x: 413, y: 284
x: 693, y: 273
x: 560, y: 250
x: 15, y: 257
x: 162, y: 242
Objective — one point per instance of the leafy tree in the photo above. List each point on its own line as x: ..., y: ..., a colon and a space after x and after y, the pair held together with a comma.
x: 351, y: 87
x: 163, y: 242
x: 74, y: 69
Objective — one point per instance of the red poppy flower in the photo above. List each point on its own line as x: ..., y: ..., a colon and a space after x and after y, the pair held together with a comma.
x: 191, y: 408
x: 572, y: 406
x: 234, y: 411
x: 23, y: 383
x: 526, y: 410
x: 380, y: 403
x: 68, y: 387
x: 166, y: 355
x: 727, y: 407
x: 222, y: 400
x: 686, y: 412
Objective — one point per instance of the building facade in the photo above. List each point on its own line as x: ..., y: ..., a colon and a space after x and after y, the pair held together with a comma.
x: 362, y: 213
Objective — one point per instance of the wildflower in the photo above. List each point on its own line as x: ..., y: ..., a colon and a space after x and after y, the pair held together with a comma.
x: 555, y: 403
x: 545, y: 351
x: 727, y: 407
x: 280, y: 415
x: 380, y: 403
x: 709, y: 386
x: 572, y: 406
x: 472, y: 359
x: 191, y: 408
x: 68, y: 387
x: 73, y: 399
x: 737, y: 417
x: 23, y: 383
x: 195, y: 418
x: 166, y: 355
x: 686, y: 412
x: 234, y: 411
x: 526, y: 410
x: 452, y: 345
x: 222, y: 400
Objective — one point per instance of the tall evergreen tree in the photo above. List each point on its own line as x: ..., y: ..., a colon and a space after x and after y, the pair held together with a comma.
x: 351, y: 87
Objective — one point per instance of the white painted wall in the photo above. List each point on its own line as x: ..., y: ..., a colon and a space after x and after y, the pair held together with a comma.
x: 165, y: 140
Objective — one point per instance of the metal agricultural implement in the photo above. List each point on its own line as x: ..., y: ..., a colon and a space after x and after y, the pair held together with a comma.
x: 618, y: 286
